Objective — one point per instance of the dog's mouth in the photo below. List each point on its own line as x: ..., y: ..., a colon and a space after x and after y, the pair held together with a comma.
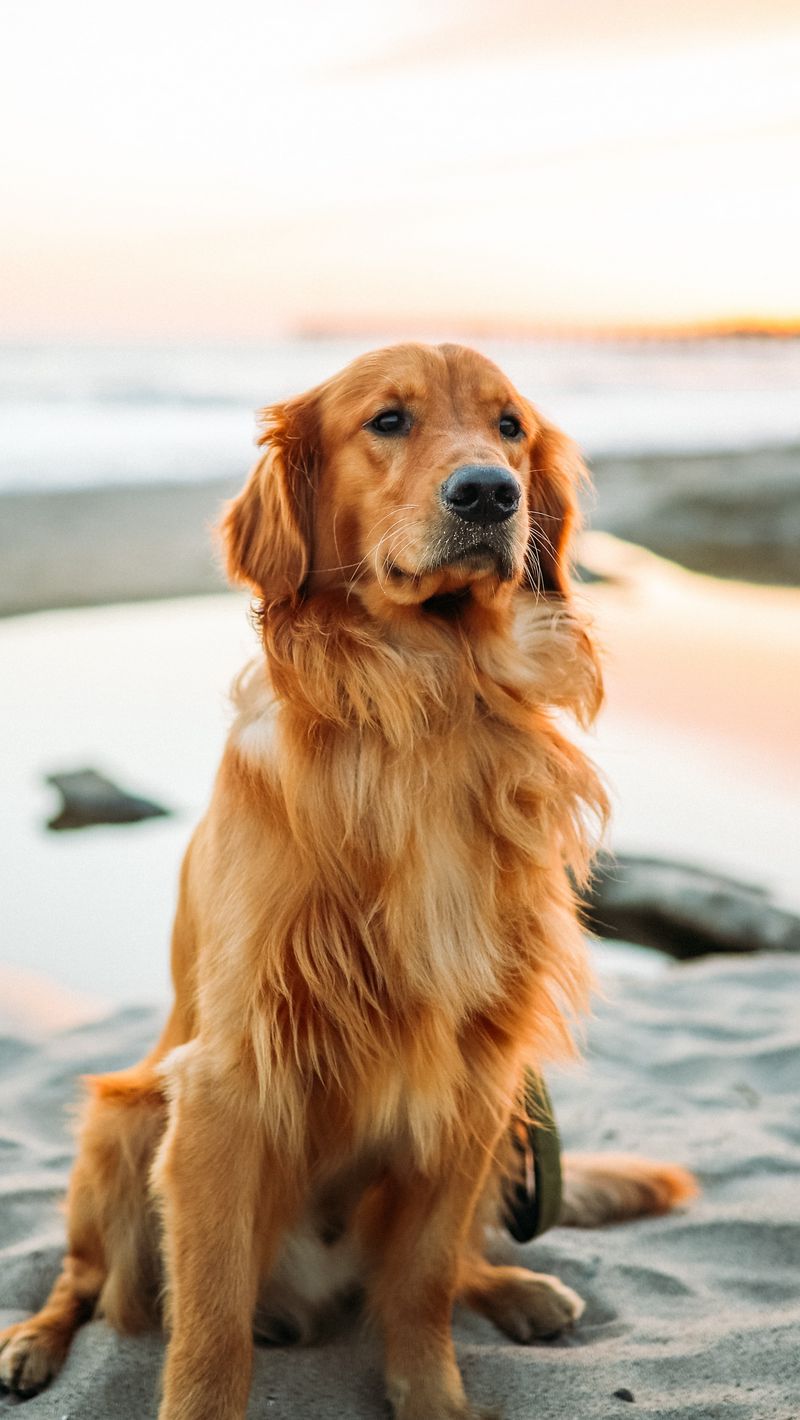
x: 480, y: 559
x: 454, y: 565
x: 448, y: 604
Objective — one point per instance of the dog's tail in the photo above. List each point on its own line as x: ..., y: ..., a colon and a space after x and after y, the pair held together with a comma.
x: 611, y: 1188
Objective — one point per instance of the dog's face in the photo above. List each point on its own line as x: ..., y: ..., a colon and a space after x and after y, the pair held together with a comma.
x: 416, y: 476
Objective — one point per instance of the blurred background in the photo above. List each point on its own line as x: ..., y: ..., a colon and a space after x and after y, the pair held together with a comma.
x: 208, y: 208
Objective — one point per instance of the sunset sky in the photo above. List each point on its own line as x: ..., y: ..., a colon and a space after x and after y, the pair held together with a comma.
x: 188, y: 171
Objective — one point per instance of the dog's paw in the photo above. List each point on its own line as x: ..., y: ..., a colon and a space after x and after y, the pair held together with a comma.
x: 425, y: 1410
x: 422, y: 1401
x: 531, y: 1306
x: 30, y: 1356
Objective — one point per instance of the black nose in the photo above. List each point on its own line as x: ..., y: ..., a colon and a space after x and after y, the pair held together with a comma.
x: 481, y: 493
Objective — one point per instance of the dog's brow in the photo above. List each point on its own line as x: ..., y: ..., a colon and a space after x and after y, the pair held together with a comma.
x: 473, y: 406
x: 388, y: 394
x: 403, y: 390
x: 498, y: 397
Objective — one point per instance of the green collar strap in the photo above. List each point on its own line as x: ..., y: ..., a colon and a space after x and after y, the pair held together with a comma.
x: 532, y: 1197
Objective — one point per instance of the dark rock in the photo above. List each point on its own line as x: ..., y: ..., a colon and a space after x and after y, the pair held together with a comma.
x: 684, y: 910
x: 624, y: 1394
x: 588, y: 575
x: 90, y: 798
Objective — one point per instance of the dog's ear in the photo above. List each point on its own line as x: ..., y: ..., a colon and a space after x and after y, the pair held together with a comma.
x: 557, y: 473
x: 267, y: 531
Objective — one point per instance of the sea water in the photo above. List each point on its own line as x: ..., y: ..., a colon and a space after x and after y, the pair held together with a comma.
x: 78, y: 415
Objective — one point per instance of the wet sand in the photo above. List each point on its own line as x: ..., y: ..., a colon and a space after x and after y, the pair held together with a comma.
x: 716, y: 659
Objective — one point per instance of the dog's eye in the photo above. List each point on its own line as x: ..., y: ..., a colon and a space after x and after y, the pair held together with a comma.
x: 509, y: 426
x: 390, y: 421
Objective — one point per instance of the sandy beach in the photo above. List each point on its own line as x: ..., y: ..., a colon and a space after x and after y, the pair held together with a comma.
x: 695, y: 1314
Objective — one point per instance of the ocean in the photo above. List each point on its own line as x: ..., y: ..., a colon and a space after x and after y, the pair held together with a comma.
x: 86, y: 416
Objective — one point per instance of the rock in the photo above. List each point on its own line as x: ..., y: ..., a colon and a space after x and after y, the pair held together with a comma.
x: 685, y: 910
x: 587, y: 576
x: 90, y: 798
x: 624, y: 1394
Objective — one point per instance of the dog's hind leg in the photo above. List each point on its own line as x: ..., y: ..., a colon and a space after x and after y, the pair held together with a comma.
x: 112, y: 1259
x: 32, y: 1351
x: 597, y: 1190
x: 527, y: 1306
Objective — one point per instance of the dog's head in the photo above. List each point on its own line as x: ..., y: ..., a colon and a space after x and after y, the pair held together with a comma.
x: 416, y: 477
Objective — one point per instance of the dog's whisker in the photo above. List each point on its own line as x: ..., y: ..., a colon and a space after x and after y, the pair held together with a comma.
x: 537, y: 536
x: 340, y: 567
x: 394, y: 563
x: 400, y: 527
x: 533, y: 563
x: 392, y: 512
x: 354, y: 566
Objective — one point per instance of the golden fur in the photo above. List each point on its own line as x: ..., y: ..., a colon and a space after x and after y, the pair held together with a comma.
x: 376, y: 929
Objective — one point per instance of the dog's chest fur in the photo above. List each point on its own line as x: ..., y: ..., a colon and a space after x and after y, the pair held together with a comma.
x: 423, y: 913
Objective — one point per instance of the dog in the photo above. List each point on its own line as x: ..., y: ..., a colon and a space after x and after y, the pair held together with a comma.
x: 377, y: 931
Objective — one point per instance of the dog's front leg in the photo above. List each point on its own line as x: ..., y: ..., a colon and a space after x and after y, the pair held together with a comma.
x: 419, y: 1237
x: 209, y: 1174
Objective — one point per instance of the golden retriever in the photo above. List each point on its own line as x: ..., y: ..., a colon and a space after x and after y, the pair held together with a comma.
x: 376, y: 932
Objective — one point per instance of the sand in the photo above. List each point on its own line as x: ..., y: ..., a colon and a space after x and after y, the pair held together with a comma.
x: 695, y: 1314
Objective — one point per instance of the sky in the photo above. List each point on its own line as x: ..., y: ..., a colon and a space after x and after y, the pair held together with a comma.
x: 232, y: 172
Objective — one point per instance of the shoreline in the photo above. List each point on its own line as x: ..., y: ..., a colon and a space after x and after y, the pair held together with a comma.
x: 729, y: 515
x: 699, y: 740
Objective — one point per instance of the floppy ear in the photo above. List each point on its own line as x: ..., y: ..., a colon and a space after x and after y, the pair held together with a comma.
x: 557, y: 472
x: 267, y: 531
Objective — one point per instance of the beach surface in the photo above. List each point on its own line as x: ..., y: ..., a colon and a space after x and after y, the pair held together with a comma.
x: 695, y: 1314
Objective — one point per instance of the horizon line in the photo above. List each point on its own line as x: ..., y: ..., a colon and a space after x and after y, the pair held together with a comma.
x: 744, y: 326
x: 429, y: 328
